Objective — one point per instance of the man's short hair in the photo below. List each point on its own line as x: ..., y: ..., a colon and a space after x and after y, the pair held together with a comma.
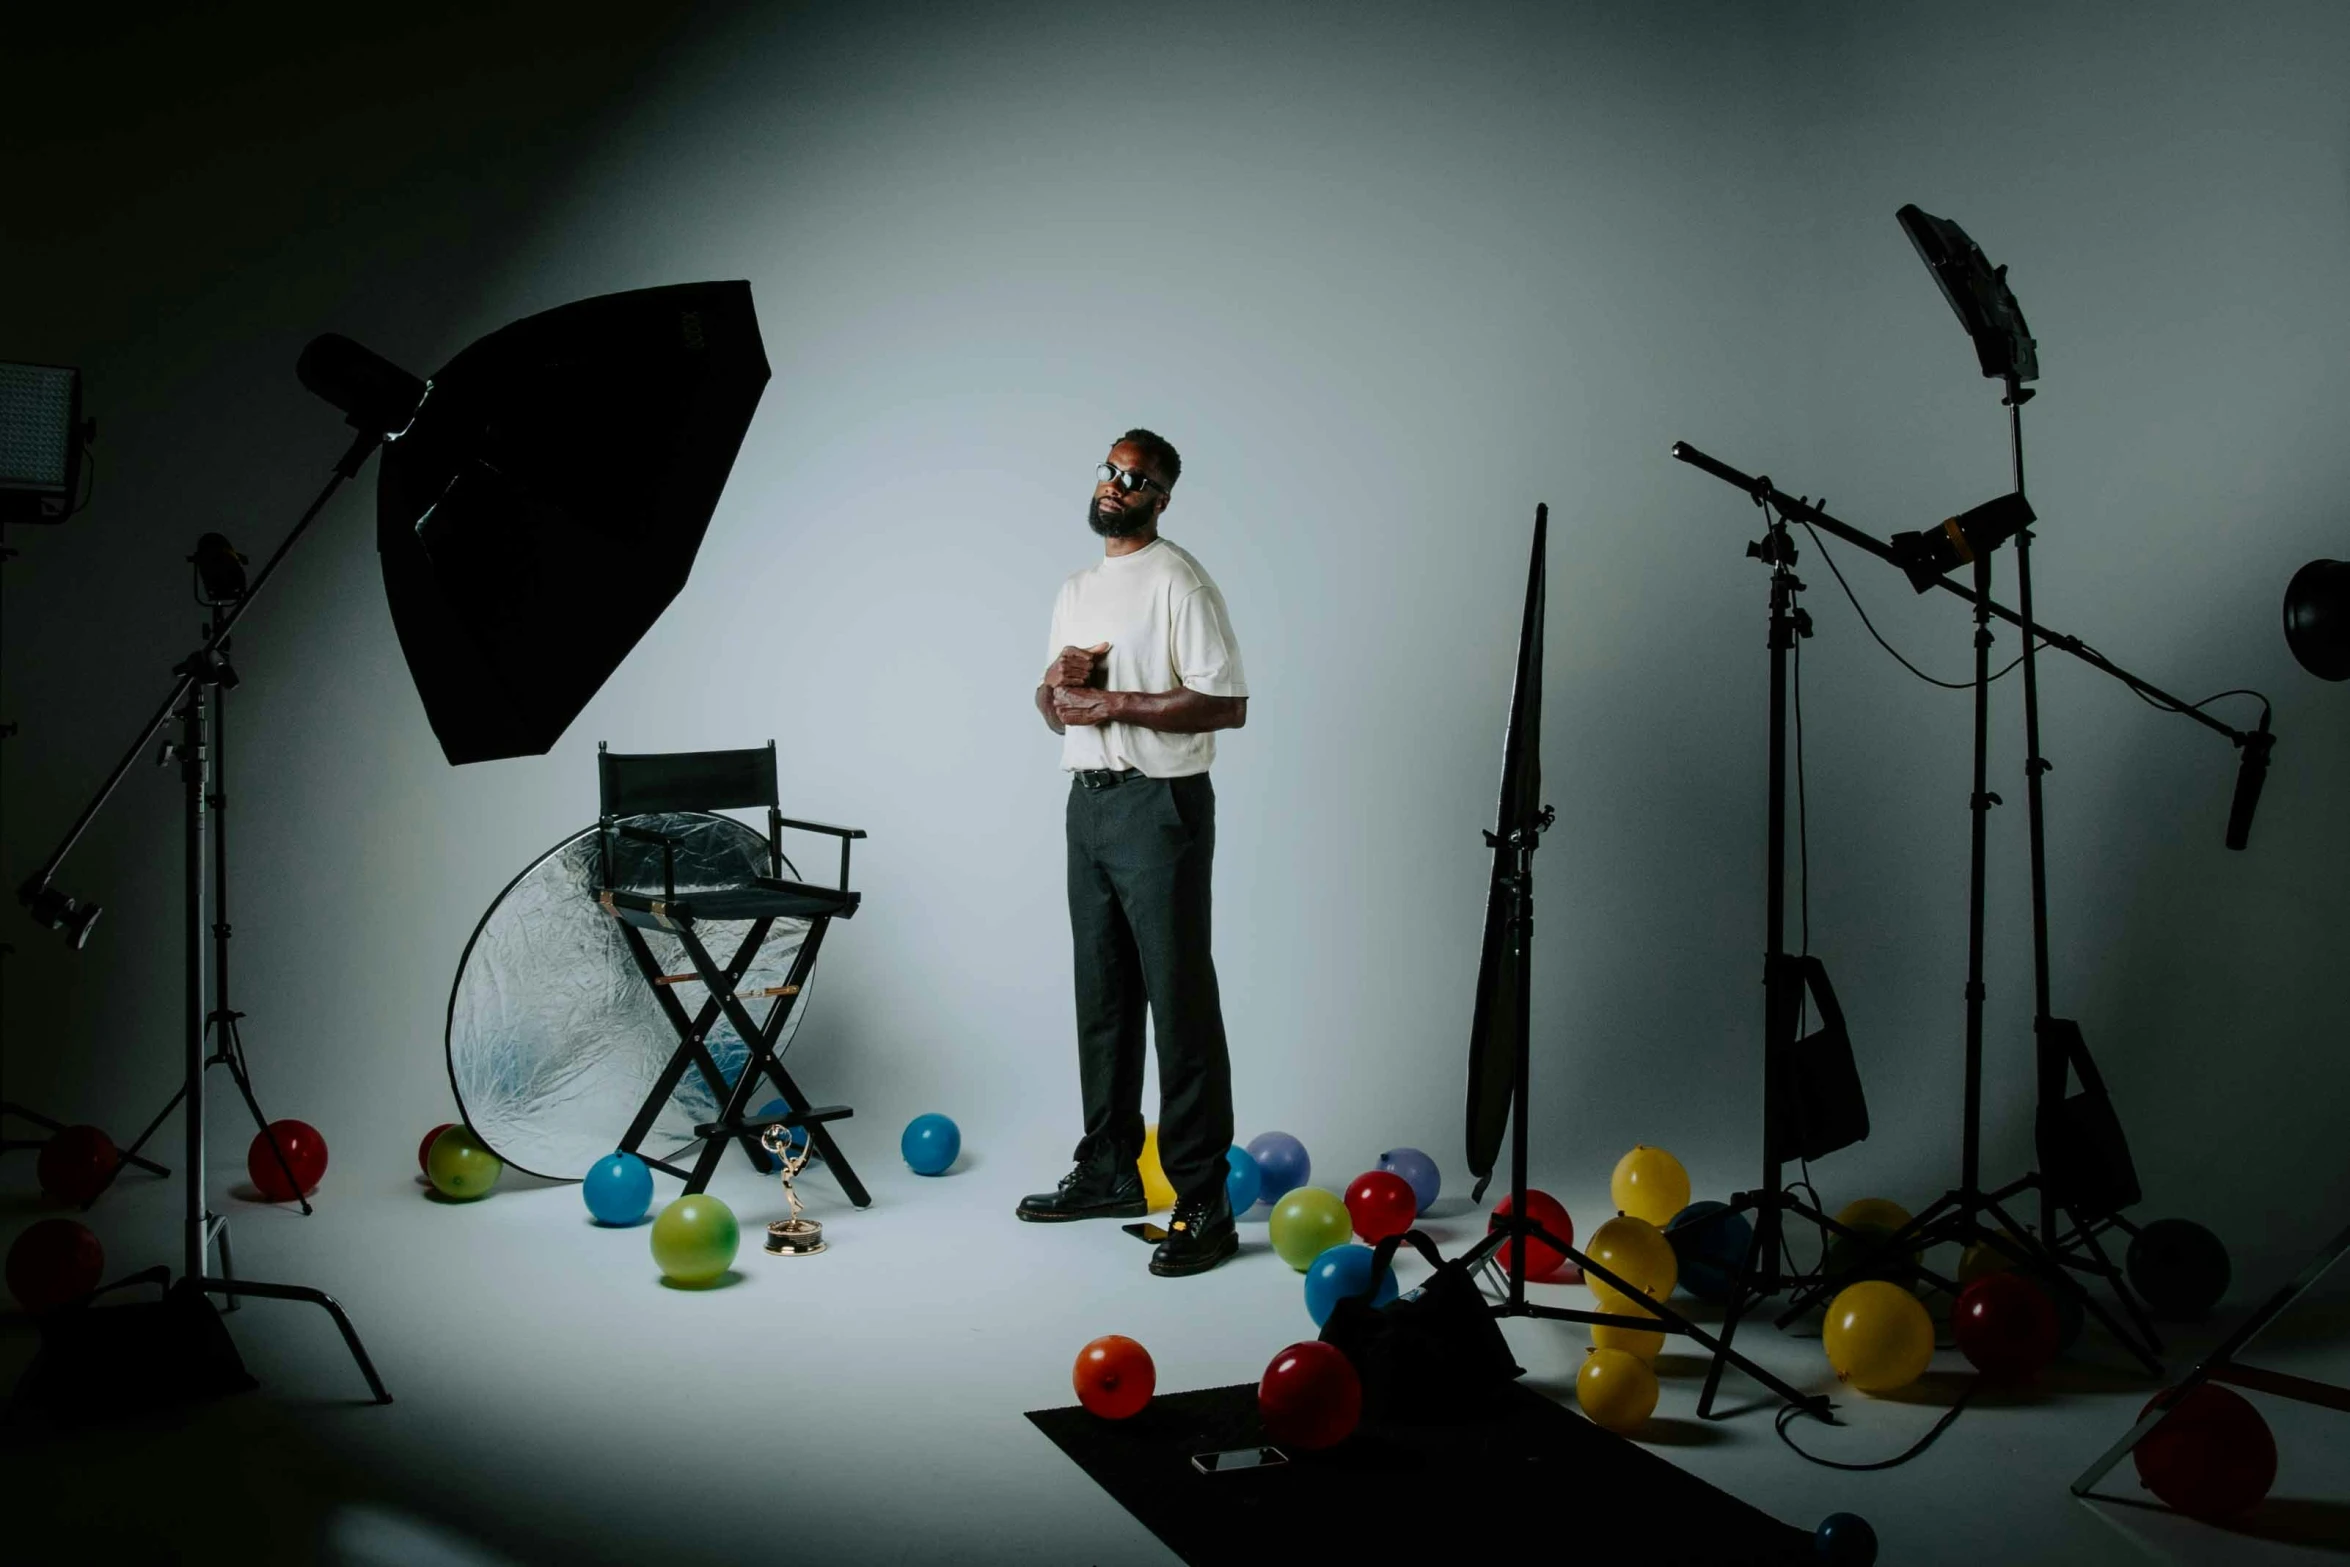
x: 1157, y: 451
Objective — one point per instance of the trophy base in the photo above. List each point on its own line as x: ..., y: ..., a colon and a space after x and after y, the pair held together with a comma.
x: 795, y: 1238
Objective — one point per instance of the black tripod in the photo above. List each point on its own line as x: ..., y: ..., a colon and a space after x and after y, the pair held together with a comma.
x: 194, y: 705
x: 1957, y: 1215
x: 1503, y: 1001
x: 218, y: 678
x: 11, y: 1110
x: 1788, y: 1124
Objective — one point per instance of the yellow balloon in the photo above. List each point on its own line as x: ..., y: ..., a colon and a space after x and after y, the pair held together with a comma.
x: 1637, y: 1252
x: 1874, y: 1213
x: 1649, y: 1184
x: 1878, y: 1336
x: 1616, y: 1389
x: 1156, y: 1193
x: 1990, y: 1255
x: 1634, y: 1341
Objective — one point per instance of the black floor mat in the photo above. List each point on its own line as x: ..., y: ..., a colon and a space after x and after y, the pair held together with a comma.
x: 1398, y: 1488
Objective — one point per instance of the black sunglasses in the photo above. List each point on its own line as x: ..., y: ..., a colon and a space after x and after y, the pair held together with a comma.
x: 1127, y: 480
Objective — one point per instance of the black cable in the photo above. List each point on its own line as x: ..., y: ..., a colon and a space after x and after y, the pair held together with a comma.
x: 1947, y: 685
x: 1787, y: 1414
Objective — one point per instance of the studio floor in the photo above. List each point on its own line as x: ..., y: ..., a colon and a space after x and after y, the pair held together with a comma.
x: 557, y: 1403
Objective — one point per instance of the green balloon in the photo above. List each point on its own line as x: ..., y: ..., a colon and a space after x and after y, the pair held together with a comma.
x: 1307, y: 1222
x: 695, y: 1239
x: 460, y: 1166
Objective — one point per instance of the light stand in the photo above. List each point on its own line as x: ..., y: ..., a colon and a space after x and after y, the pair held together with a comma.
x: 190, y: 703
x: 1955, y: 1213
x: 1503, y: 1018
x: 211, y: 760
x: 1760, y: 1275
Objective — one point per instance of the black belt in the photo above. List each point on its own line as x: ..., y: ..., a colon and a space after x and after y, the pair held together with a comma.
x: 1106, y: 778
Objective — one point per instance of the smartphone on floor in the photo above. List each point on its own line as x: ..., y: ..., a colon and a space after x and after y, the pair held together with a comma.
x: 1238, y: 1459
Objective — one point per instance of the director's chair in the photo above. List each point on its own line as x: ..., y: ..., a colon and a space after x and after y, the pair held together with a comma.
x: 640, y: 786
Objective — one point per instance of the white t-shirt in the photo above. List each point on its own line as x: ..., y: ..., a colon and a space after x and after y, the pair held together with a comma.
x: 1167, y: 626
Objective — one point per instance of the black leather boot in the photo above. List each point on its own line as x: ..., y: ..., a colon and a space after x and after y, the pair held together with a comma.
x: 1088, y: 1192
x: 1200, y: 1235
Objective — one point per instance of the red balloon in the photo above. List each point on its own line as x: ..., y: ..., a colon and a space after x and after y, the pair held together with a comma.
x: 76, y: 1164
x: 1310, y: 1396
x: 1381, y: 1203
x: 2006, y: 1325
x: 52, y: 1262
x: 1114, y: 1377
x: 2212, y: 1457
x: 424, y: 1149
x: 305, y: 1153
x: 1542, y: 1262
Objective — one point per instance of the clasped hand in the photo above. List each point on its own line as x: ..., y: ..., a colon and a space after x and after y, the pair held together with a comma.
x: 1076, y: 700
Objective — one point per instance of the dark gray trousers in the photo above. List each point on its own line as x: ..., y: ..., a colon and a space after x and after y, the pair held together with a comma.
x: 1140, y: 856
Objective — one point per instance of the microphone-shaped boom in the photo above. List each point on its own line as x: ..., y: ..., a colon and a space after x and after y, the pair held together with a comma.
x: 2251, y: 773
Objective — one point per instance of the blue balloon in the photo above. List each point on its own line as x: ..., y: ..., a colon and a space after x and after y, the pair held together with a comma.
x: 930, y: 1144
x: 1844, y: 1540
x: 618, y: 1189
x: 1339, y: 1272
x: 1418, y: 1170
x: 1282, y: 1165
x: 799, y: 1137
x: 1710, y: 1240
x: 1242, y: 1179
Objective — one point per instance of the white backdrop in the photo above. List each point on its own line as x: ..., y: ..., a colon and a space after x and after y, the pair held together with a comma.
x: 1387, y: 283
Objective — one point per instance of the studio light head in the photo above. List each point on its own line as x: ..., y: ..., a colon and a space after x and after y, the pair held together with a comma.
x: 42, y: 437
x: 55, y: 911
x: 1927, y: 555
x: 1978, y: 292
x: 376, y: 396
x: 2317, y: 618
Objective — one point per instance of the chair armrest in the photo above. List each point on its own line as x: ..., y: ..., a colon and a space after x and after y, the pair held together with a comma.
x: 845, y: 834
x: 837, y: 832
x: 644, y: 835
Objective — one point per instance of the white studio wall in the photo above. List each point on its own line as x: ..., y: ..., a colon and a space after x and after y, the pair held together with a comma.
x: 1386, y: 286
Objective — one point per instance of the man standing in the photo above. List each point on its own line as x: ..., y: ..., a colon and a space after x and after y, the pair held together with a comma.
x: 1144, y: 671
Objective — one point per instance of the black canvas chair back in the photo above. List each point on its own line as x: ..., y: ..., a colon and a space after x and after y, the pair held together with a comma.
x: 641, y: 789
x: 668, y: 781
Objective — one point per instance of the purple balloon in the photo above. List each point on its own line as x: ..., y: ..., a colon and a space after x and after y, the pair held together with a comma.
x: 1282, y: 1160
x: 1418, y: 1171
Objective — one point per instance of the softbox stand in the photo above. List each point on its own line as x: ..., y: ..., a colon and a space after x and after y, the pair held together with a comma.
x: 1956, y: 1214
x: 1500, y: 1048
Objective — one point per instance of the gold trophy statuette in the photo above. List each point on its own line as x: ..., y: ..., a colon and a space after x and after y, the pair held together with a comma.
x: 795, y: 1236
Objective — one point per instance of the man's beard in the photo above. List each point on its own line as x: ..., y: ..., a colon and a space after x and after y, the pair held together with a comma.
x: 1117, y: 525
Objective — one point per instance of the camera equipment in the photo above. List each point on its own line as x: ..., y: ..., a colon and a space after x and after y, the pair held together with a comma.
x: 539, y: 506
x: 1499, y: 1041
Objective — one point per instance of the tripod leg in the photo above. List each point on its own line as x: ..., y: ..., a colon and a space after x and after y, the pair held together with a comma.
x: 228, y: 1258
x: 2056, y: 1270
x: 234, y: 1060
x: 317, y: 1297
x: 131, y: 1154
x: 1740, y: 1296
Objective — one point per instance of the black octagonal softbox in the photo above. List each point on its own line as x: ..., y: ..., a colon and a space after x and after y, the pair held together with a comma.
x: 546, y: 502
